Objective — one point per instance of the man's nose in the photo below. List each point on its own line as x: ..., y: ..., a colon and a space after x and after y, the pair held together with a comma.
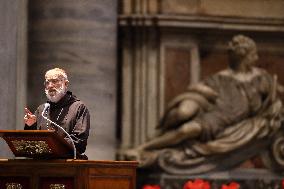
x: 49, y: 85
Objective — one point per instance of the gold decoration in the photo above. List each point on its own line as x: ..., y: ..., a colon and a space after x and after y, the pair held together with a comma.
x: 57, y: 186
x: 31, y: 147
x: 13, y: 186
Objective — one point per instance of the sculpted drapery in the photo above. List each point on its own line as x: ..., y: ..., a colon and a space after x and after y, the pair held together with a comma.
x: 220, y: 122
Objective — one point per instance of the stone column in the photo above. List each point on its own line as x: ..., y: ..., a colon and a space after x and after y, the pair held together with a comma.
x: 12, y: 67
x: 80, y: 37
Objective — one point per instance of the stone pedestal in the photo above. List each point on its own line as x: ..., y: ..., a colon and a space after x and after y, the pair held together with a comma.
x: 247, y: 178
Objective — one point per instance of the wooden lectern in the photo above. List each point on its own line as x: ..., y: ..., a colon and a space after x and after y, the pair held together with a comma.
x: 45, y: 144
x: 46, y: 167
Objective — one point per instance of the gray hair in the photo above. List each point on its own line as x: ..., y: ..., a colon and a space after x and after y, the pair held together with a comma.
x: 57, y: 71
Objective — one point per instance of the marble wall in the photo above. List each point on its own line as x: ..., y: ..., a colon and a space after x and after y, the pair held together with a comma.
x: 167, y: 45
x: 12, y: 67
x: 80, y: 37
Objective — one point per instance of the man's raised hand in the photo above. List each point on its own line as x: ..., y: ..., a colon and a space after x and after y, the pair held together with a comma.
x: 29, y: 117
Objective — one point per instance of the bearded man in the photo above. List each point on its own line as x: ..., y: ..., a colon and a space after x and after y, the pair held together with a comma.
x: 66, y: 110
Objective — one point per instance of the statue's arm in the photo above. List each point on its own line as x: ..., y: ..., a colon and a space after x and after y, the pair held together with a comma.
x: 204, y: 90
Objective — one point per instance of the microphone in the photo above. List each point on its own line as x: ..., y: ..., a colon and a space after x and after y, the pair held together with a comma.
x: 46, y: 106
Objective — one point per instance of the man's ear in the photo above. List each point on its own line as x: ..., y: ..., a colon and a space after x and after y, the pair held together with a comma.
x: 66, y: 83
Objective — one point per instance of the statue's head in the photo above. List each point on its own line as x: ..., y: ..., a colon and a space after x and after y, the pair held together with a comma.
x: 242, y: 52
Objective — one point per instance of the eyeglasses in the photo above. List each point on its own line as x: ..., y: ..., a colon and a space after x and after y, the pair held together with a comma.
x: 52, y: 81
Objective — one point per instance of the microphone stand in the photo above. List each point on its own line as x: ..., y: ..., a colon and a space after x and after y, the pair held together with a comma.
x: 46, y: 105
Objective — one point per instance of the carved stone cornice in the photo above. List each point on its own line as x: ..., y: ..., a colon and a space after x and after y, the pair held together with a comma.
x: 203, y: 22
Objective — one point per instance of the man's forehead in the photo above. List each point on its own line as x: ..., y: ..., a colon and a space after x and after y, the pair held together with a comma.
x: 53, y: 75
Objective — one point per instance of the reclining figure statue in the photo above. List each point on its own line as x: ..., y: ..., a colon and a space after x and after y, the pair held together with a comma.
x: 220, y: 122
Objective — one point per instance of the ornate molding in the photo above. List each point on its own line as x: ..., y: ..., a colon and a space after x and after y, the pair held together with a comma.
x: 13, y: 186
x: 57, y: 186
x: 203, y: 22
x: 32, y: 147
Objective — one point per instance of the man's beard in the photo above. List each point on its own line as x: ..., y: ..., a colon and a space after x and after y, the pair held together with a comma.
x: 59, y: 93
